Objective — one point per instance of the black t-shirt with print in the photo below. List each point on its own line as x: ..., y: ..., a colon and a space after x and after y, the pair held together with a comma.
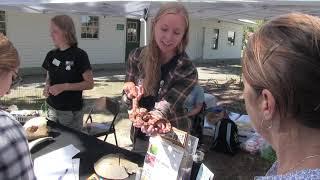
x: 66, y: 67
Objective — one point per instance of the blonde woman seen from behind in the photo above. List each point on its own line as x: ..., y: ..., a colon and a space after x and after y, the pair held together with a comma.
x: 281, y: 70
x: 15, y: 158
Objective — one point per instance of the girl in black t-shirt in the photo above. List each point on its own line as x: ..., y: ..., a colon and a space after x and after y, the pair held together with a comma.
x: 68, y: 74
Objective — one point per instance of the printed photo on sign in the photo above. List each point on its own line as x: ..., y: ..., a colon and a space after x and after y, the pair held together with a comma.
x: 150, y: 159
x: 162, y: 161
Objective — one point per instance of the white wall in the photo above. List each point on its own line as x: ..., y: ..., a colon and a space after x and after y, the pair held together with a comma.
x: 200, y: 36
x: 224, y: 50
x: 30, y: 35
x: 110, y: 47
x: 194, y: 48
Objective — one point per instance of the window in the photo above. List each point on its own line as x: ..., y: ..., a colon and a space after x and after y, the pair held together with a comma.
x: 89, y: 27
x: 132, y: 35
x: 231, y: 37
x: 215, y: 39
x: 3, y: 22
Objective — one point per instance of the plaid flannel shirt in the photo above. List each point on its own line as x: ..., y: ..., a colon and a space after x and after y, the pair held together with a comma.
x: 15, y: 158
x: 174, y: 89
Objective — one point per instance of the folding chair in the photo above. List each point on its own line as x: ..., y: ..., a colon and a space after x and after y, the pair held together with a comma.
x: 104, y: 128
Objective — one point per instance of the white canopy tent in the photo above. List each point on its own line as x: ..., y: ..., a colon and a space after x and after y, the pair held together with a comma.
x: 228, y: 10
x: 209, y: 19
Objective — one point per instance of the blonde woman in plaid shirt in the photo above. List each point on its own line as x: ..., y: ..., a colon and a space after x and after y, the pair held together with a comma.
x: 15, y: 158
x: 163, y: 69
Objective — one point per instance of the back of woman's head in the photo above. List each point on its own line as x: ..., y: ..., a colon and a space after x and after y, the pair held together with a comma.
x: 65, y: 23
x: 283, y: 56
x: 9, y: 58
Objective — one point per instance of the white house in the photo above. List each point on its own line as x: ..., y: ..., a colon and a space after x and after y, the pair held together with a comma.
x: 215, y: 27
x: 107, y: 40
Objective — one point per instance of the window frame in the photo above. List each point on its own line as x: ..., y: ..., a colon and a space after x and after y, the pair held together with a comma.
x: 233, y: 41
x: 88, y: 29
x: 215, y: 39
x: 4, y: 21
x: 130, y: 40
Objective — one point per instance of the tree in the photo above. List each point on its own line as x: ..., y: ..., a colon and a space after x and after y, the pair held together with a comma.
x: 247, y: 30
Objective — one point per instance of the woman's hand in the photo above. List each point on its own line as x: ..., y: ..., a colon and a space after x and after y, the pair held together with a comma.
x: 130, y: 89
x: 46, y: 86
x: 46, y: 91
x: 133, y: 91
x: 163, y: 126
x: 57, y: 89
x: 149, y: 122
x: 149, y: 130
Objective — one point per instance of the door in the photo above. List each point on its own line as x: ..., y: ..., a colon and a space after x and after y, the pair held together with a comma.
x: 132, y: 35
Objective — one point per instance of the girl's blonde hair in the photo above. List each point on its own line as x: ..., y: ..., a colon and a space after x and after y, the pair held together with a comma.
x: 150, y: 55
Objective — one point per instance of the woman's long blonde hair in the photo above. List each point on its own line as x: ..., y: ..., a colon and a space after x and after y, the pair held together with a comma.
x: 150, y: 55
